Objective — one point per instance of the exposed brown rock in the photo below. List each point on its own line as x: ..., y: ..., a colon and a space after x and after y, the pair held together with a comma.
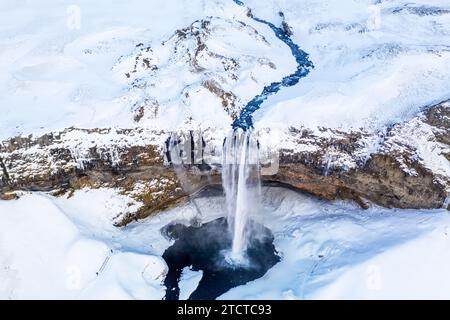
x: 189, y: 48
x: 439, y: 117
x: 150, y: 109
x: 5, y: 175
x: 137, y: 171
x: 228, y: 98
x: 8, y: 196
x: 395, y: 175
x: 168, y: 194
x: 381, y: 181
x: 447, y: 155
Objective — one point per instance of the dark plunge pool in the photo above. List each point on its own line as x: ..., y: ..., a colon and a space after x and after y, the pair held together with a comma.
x: 205, y: 247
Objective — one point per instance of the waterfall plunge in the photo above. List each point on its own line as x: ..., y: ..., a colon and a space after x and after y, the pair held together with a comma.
x: 242, y: 186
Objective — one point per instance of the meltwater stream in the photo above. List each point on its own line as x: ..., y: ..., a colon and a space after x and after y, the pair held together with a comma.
x: 235, y: 250
x: 304, y: 65
x: 240, y: 164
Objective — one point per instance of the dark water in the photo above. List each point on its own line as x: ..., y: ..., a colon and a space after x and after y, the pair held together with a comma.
x: 304, y: 65
x: 203, y: 248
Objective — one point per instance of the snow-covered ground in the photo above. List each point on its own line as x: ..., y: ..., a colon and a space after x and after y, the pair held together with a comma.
x: 375, y: 62
x: 56, y: 59
x: 64, y: 65
x: 67, y: 248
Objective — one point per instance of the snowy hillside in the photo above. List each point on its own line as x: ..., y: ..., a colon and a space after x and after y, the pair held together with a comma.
x: 374, y: 62
x: 65, y: 65
x: 348, y: 101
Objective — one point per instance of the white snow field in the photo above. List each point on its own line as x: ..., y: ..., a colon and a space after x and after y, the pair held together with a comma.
x: 376, y: 62
x: 67, y: 249
x: 62, y: 65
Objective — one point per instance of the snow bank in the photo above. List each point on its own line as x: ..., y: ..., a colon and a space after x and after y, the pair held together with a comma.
x: 46, y: 255
x: 67, y: 249
x: 417, y: 269
x: 330, y: 249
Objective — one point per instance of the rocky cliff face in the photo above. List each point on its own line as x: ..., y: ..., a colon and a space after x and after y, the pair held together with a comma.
x: 128, y: 160
x: 406, y: 167
x: 198, y: 79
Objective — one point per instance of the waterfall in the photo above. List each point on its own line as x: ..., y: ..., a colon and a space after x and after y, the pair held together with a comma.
x: 242, y: 186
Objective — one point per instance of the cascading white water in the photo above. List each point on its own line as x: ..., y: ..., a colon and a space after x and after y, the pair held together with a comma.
x: 241, y: 183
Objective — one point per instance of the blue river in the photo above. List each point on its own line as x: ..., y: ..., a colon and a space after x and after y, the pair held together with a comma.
x: 304, y: 65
